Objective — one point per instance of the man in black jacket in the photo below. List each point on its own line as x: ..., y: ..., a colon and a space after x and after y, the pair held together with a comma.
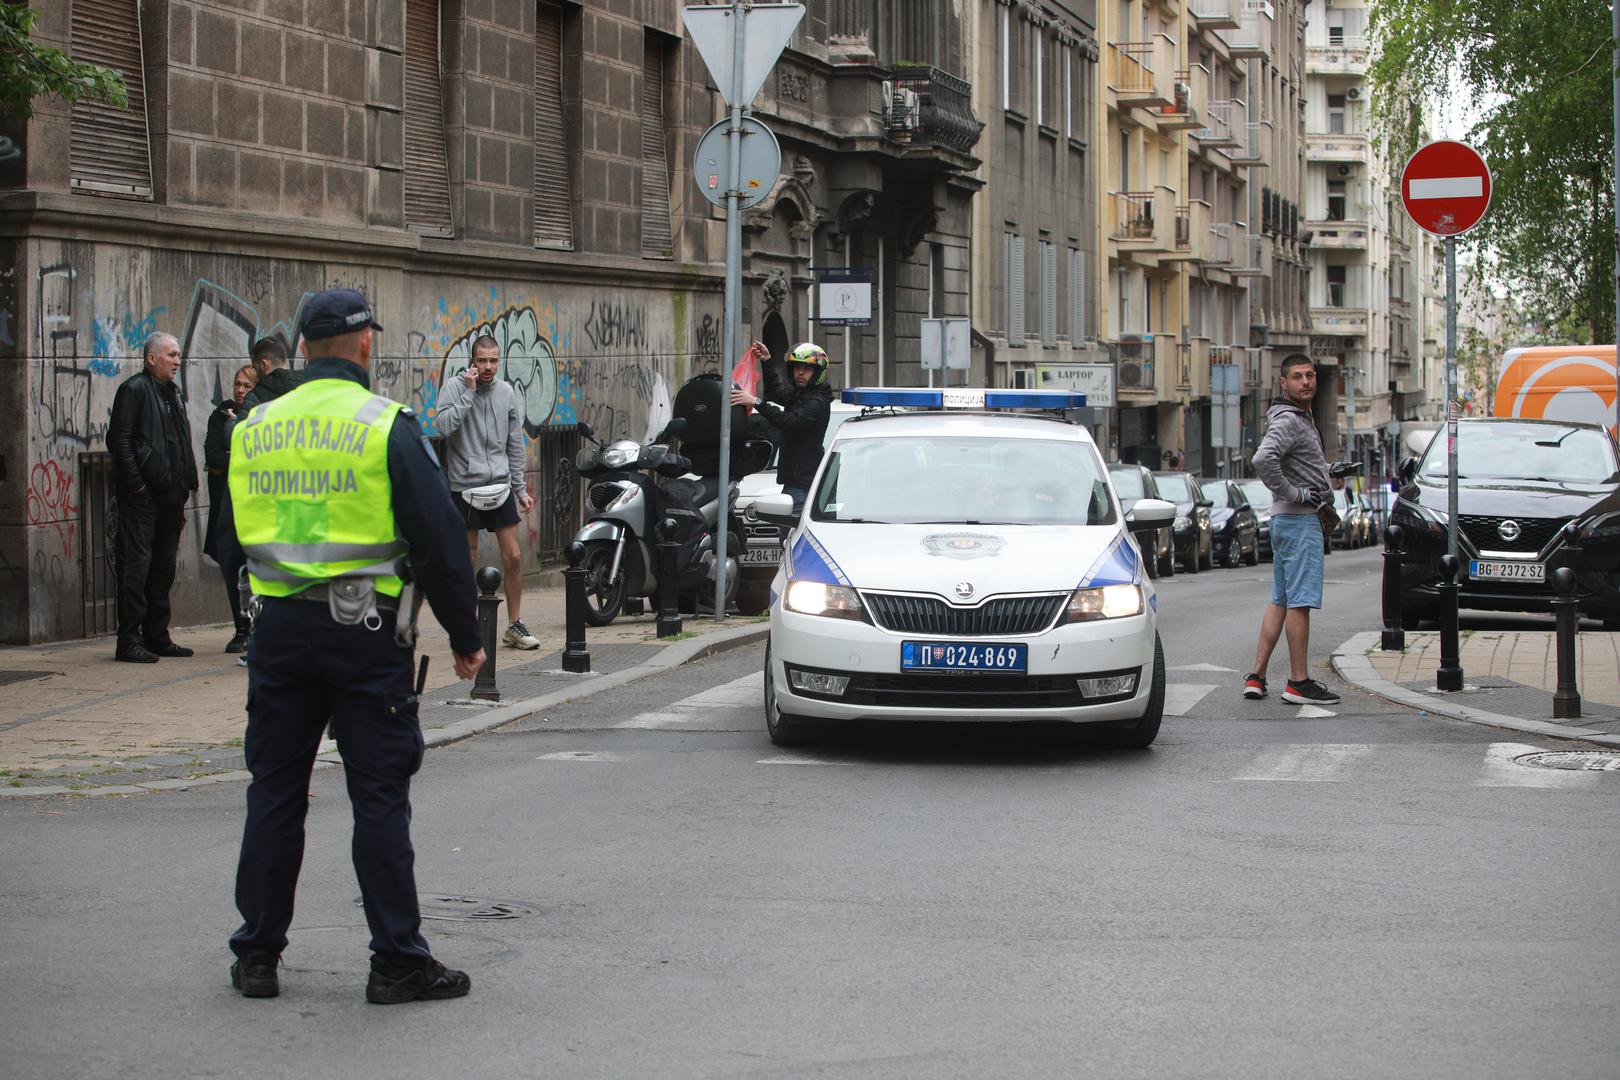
x: 269, y: 355
x: 800, y: 411
x: 155, y: 472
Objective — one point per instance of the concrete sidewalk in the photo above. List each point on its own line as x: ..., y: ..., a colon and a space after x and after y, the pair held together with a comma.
x: 1508, y: 679
x: 75, y: 721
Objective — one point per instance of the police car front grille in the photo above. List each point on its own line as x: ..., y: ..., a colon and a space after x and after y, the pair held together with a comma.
x: 601, y: 495
x: 999, y: 617
x: 926, y: 690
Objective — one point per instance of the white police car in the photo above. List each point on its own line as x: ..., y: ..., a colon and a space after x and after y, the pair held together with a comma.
x: 963, y: 562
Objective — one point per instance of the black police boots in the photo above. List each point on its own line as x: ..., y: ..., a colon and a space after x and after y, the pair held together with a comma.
x: 391, y: 984
x: 255, y: 976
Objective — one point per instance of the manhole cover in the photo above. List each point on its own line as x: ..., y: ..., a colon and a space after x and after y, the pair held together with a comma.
x: 1575, y: 760
x: 453, y: 908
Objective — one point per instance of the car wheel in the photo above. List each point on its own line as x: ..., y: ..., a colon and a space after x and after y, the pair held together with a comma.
x: 1253, y: 557
x: 1167, y: 565
x: 1191, y: 563
x: 1612, y: 623
x: 783, y: 728
x: 1410, y: 619
x: 1142, y: 733
x: 1206, y: 561
x: 603, y: 598
x: 753, y: 599
x: 1151, y: 567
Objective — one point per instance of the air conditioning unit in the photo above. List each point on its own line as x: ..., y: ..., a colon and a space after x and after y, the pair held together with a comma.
x: 1135, y: 347
x: 1354, y: 93
x: 1346, y: 170
x: 900, y: 108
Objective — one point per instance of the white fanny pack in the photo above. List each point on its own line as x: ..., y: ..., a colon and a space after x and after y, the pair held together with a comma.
x: 487, y: 497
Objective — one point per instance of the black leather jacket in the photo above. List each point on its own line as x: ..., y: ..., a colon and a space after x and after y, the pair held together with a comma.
x: 271, y: 385
x: 801, y: 416
x: 145, y: 456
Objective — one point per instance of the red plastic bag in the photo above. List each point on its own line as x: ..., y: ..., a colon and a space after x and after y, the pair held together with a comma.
x: 746, y: 375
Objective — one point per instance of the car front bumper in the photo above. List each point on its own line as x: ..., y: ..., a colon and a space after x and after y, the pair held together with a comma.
x: 879, y: 690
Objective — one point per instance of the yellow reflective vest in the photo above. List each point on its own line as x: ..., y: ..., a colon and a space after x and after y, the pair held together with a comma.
x: 310, y: 490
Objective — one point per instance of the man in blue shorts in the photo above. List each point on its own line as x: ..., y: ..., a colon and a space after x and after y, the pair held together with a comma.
x: 1291, y: 462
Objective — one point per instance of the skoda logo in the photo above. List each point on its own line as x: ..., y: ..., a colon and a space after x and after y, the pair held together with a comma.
x: 1508, y: 530
x: 964, y: 589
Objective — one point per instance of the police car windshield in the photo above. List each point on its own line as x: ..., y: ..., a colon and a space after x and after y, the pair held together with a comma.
x: 946, y: 480
x: 1497, y: 451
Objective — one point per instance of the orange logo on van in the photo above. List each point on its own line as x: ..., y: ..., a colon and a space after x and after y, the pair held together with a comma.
x: 1565, y: 382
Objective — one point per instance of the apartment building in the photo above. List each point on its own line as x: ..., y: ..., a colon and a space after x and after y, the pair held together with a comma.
x: 513, y: 167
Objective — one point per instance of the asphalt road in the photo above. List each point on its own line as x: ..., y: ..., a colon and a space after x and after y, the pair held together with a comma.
x: 1371, y: 893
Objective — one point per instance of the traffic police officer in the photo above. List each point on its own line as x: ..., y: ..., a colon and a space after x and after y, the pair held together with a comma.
x: 334, y: 497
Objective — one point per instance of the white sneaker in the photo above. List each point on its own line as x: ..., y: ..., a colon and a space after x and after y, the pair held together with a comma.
x: 518, y: 636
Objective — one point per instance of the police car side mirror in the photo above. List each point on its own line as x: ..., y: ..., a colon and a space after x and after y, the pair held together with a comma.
x: 1150, y: 514
x: 775, y: 509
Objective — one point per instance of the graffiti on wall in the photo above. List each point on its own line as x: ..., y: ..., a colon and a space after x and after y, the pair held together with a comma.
x: 51, y: 502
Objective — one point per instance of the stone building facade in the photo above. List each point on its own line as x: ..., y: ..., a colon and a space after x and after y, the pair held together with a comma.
x: 517, y: 167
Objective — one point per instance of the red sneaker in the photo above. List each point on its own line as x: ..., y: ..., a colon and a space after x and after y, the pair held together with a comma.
x: 1254, y: 686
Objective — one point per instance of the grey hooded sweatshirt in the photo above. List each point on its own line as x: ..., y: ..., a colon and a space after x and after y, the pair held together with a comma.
x: 483, y: 430
x: 1290, y: 458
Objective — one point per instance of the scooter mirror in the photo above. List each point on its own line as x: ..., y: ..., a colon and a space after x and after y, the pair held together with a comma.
x: 585, y: 429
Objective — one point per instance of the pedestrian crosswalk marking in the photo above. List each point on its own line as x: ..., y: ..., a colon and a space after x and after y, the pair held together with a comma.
x: 579, y: 755
x: 1311, y: 712
x: 1500, y: 770
x: 1179, y: 698
x: 797, y: 759
x: 699, y: 709
x: 1202, y: 667
x: 1307, y: 763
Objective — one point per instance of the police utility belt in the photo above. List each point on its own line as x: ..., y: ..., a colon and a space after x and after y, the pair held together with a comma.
x: 355, y: 601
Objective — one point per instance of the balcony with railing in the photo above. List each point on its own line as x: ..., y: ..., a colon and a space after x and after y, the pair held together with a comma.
x: 945, y: 107
x: 1347, y: 57
x: 1192, y: 367
x: 1217, y: 129
x: 1184, y: 113
x: 1192, y: 232
x: 1220, y: 244
x: 1251, y: 253
x: 1255, y: 30
x: 1338, y: 235
x: 1142, y: 219
x: 1140, y: 74
x: 1253, y: 149
x: 1215, y: 14
x: 1343, y: 148
x: 1167, y: 357
x: 1251, y: 357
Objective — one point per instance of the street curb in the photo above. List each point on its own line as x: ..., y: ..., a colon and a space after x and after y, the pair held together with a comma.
x: 1352, y: 664
x: 667, y: 658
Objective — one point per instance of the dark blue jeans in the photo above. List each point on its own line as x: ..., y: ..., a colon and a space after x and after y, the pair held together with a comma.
x: 303, y: 671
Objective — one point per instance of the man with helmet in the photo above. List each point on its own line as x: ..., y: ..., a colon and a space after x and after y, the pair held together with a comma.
x: 799, y: 410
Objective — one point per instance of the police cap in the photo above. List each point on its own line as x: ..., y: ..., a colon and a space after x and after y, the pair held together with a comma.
x: 334, y: 312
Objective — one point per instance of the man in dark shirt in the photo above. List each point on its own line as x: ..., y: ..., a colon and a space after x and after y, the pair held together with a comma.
x: 269, y: 356
x: 800, y: 410
x: 155, y: 472
x: 315, y: 659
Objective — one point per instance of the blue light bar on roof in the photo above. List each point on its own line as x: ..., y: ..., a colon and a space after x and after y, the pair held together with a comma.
x: 925, y: 398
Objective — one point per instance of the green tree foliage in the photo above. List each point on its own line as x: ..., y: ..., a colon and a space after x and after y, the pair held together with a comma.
x: 1540, y: 75
x: 29, y: 70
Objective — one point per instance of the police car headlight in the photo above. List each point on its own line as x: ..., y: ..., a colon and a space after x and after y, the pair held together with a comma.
x: 616, y: 457
x: 815, y: 598
x: 1104, y: 602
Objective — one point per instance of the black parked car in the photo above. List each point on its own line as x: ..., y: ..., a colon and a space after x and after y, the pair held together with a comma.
x: 1532, y: 495
x: 1133, y: 483
x: 1260, y: 500
x: 1194, y: 539
x: 1234, y: 527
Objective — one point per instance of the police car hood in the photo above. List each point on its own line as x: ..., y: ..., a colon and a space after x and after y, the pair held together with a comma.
x: 994, y: 559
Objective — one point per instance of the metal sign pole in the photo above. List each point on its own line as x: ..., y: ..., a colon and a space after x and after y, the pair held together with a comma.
x: 733, y: 314
x: 1614, y: 71
x: 1451, y: 395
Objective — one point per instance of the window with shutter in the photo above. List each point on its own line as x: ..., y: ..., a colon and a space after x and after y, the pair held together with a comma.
x: 1077, y: 295
x: 1015, y: 289
x: 109, y: 148
x: 656, y: 239
x: 1048, y: 254
x: 427, y: 163
x: 553, y: 186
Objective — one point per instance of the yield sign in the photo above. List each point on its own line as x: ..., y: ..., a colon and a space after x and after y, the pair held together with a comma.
x: 1446, y: 187
x: 766, y: 29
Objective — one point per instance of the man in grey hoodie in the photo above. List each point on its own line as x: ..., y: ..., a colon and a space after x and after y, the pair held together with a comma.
x: 482, y: 422
x: 1292, y: 463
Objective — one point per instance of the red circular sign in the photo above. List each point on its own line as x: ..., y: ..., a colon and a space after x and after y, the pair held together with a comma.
x: 1446, y: 188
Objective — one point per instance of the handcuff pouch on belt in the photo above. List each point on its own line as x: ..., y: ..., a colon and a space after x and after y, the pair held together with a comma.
x: 352, y: 601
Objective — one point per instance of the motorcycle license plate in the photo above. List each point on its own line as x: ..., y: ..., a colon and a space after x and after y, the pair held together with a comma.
x: 763, y: 555
x: 961, y: 657
x: 1504, y: 570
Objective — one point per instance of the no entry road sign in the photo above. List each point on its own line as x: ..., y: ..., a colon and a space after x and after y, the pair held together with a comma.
x: 1446, y: 188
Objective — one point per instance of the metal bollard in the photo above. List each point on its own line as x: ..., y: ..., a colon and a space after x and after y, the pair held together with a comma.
x: 669, y: 614
x: 1567, y: 698
x: 1394, y: 637
x: 576, y: 657
x: 489, y: 625
x: 1450, y: 674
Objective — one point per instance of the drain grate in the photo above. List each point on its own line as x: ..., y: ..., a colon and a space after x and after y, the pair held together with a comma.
x: 1574, y: 760
x: 448, y: 908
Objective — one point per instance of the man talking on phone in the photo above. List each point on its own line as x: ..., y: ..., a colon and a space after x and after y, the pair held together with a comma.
x: 482, y: 422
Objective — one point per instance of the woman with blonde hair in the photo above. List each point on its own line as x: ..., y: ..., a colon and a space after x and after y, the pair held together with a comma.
x: 217, y: 459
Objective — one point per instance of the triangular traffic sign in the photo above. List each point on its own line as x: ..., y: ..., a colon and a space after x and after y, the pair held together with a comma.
x: 766, y: 30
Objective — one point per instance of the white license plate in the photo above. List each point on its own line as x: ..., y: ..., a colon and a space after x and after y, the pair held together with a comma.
x: 1503, y: 570
x: 762, y: 555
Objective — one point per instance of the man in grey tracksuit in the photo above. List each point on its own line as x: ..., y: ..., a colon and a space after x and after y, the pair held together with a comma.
x: 1291, y: 462
x: 482, y: 422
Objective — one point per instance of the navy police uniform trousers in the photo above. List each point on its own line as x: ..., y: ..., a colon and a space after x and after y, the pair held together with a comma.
x: 305, y: 670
